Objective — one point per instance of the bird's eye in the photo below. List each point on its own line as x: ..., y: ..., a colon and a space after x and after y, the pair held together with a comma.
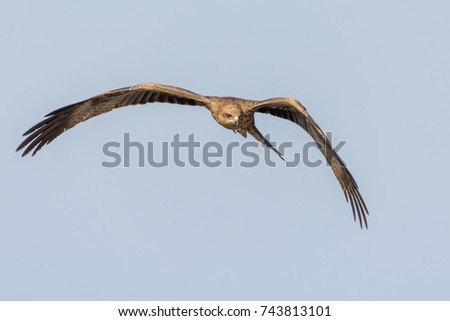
x: 227, y: 115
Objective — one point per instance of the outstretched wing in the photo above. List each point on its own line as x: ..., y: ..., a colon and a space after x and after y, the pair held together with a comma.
x: 65, y: 118
x: 293, y: 110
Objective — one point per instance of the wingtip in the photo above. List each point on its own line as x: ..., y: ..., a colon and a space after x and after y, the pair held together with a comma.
x: 19, y: 148
x: 24, y: 153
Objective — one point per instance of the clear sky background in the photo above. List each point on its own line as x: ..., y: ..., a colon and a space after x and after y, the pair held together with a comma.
x: 375, y: 73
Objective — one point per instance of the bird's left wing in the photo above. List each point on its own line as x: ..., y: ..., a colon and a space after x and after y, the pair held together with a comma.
x: 293, y: 110
x: 65, y: 118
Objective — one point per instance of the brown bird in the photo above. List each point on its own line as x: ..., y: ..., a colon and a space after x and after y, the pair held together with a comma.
x: 232, y: 113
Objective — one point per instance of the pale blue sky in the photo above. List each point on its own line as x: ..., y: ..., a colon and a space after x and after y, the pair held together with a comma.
x: 374, y: 73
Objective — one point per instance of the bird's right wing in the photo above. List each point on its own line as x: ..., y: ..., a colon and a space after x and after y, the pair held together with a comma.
x: 65, y: 118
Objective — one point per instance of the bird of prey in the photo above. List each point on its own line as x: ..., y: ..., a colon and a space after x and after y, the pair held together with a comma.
x: 230, y: 112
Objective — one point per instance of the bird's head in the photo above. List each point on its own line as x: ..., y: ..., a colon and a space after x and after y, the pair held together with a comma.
x: 228, y: 117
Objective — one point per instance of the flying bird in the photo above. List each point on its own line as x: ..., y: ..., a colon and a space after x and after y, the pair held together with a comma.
x: 233, y: 113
